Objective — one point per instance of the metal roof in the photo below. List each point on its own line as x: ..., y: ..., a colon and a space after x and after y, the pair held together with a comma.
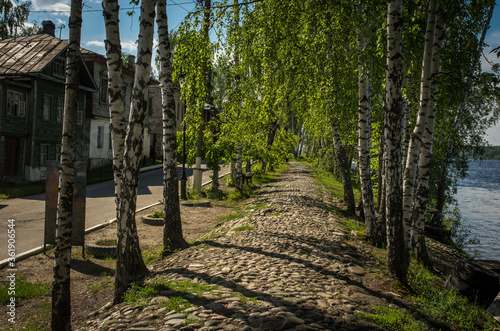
x: 30, y: 54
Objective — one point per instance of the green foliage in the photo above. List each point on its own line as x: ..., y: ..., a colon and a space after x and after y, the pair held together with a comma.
x: 491, y: 153
x: 446, y: 306
x: 151, y: 257
x: 158, y: 214
x: 461, y: 234
x: 393, y: 319
x: 24, y: 289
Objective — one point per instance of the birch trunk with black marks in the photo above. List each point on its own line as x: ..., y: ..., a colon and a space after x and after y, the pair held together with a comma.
x: 172, y: 229
x: 397, y: 260
x: 61, y: 286
x: 440, y: 193
x: 345, y: 171
x: 421, y: 122
x: 129, y: 262
x: 364, y: 141
x: 418, y: 246
x: 116, y: 99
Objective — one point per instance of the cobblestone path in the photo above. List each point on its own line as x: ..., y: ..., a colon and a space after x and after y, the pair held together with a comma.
x: 286, y: 265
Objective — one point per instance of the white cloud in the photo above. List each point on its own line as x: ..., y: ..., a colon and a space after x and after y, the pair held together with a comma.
x: 95, y: 43
x: 129, y: 46
x: 54, y: 7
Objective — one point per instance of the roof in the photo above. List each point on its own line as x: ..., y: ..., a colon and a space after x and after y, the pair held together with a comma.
x: 29, y: 55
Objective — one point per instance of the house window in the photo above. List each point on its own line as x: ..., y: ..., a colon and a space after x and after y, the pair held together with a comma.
x: 60, y: 109
x: 59, y: 67
x: 44, y: 152
x: 47, y: 105
x: 58, y: 153
x: 103, y: 91
x: 100, y: 136
x: 79, y: 117
x: 15, y: 104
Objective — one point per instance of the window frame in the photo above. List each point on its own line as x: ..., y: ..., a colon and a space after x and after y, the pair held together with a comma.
x: 48, y: 118
x: 100, y: 136
x: 16, y: 106
x: 60, y: 110
x: 44, y: 154
x: 59, y: 67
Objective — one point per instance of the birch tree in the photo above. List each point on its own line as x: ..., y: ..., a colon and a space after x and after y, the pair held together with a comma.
x: 421, y: 122
x: 129, y: 262
x: 364, y: 128
x: 418, y: 246
x: 397, y: 260
x: 61, y: 289
x: 172, y: 229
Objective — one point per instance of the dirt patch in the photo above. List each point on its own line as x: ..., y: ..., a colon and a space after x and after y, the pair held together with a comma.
x: 92, y: 279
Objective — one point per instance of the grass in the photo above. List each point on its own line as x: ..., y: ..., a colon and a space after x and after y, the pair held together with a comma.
x: 140, y: 293
x: 393, y: 319
x: 446, y: 306
x: 332, y: 185
x: 351, y: 225
x: 24, y: 290
x: 151, y: 257
x: 449, y: 310
x: 106, y: 242
x: 244, y: 228
x: 230, y: 217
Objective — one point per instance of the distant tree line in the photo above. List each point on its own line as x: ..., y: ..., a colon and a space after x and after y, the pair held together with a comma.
x: 491, y: 153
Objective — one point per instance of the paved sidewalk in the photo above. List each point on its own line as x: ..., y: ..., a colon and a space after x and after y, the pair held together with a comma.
x: 288, y: 253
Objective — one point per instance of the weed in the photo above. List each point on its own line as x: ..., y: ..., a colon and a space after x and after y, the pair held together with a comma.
x: 244, y: 228
x: 106, y: 242
x: 4, y: 196
x: 245, y: 299
x: 192, y: 321
x: 153, y: 256
x: 177, y: 303
x: 277, y: 213
x: 393, y: 319
x: 24, y: 289
x: 158, y: 214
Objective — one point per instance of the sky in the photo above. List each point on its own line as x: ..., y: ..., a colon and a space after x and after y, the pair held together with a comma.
x: 93, y: 33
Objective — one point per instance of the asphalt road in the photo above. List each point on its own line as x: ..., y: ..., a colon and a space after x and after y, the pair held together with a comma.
x: 29, y: 212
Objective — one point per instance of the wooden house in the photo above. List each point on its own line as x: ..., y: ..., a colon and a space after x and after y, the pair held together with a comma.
x: 32, y: 78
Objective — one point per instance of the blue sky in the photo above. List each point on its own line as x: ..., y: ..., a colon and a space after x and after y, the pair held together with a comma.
x: 93, y: 34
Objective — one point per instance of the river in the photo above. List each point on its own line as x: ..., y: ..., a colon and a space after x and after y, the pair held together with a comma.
x: 478, y: 197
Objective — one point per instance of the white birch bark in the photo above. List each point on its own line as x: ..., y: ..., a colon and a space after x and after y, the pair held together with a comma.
x: 418, y: 247
x: 172, y: 229
x: 129, y: 262
x: 61, y: 289
x: 364, y: 141
x: 421, y: 122
x: 397, y: 260
x: 116, y: 102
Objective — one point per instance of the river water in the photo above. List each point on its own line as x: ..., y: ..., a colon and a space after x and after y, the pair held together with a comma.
x: 478, y: 197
